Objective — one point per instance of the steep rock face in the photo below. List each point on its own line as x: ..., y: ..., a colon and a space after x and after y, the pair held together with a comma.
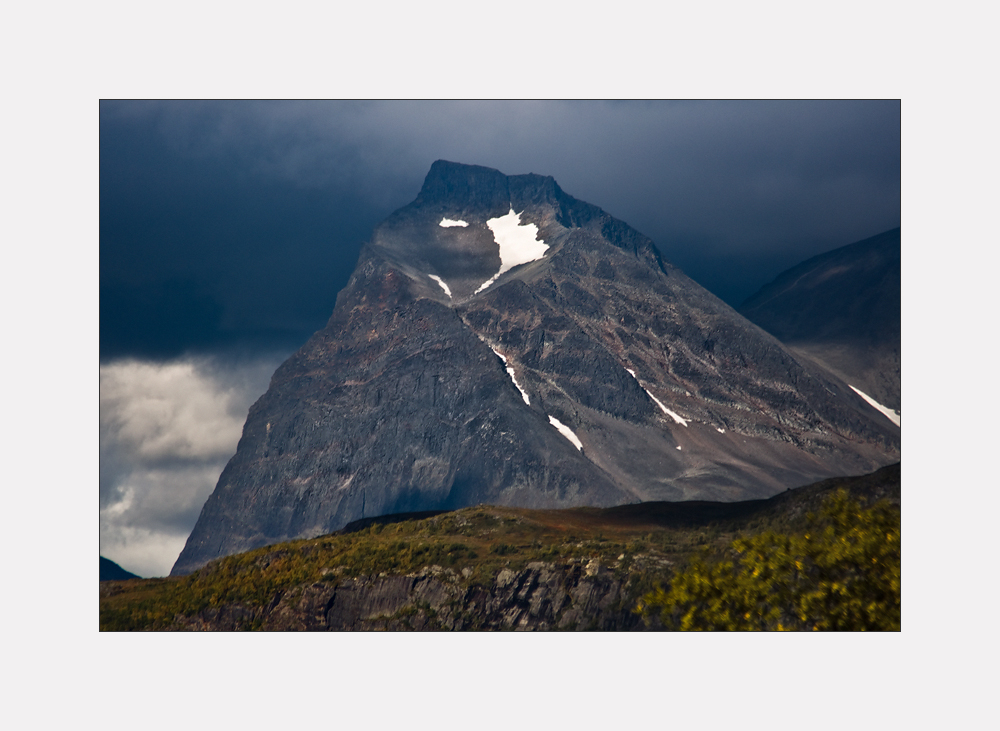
x: 842, y: 310
x: 542, y: 596
x: 501, y: 342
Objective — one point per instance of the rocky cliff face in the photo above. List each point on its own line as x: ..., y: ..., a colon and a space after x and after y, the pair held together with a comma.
x: 501, y: 342
x: 543, y: 596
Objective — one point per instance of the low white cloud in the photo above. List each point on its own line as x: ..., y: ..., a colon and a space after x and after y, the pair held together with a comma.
x: 167, y: 431
x: 140, y: 550
x: 167, y: 410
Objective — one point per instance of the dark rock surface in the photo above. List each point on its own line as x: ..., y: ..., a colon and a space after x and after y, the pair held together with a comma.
x: 401, y: 403
x: 542, y: 596
x: 842, y: 309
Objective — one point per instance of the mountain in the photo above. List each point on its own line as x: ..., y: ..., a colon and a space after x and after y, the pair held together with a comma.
x: 502, y: 342
x: 110, y: 571
x: 842, y: 310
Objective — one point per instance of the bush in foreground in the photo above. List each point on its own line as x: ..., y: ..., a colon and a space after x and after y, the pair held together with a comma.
x: 843, y: 573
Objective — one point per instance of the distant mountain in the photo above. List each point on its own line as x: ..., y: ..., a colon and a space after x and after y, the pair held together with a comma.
x: 502, y: 342
x: 110, y: 571
x: 842, y: 310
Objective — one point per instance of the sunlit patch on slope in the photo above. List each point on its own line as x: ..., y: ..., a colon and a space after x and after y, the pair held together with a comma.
x: 676, y: 417
x: 447, y: 222
x: 445, y: 287
x: 519, y: 243
x: 893, y: 416
x: 566, y: 432
x: 510, y: 372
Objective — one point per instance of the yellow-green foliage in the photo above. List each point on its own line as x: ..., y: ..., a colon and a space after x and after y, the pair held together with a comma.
x: 843, y: 573
x: 473, y: 544
x: 483, y: 540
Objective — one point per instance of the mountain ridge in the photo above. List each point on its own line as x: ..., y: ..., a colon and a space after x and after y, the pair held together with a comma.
x: 842, y: 310
x: 111, y: 571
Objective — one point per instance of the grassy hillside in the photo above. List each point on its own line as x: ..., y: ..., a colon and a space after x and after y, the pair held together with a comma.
x: 638, y: 545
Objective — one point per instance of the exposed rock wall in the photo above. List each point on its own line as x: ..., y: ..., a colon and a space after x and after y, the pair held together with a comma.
x: 542, y: 596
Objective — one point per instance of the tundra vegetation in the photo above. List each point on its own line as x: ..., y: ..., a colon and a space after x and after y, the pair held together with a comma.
x: 824, y: 557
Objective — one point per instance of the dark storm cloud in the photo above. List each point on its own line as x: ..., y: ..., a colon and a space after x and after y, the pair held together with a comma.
x: 236, y: 224
x: 207, y: 241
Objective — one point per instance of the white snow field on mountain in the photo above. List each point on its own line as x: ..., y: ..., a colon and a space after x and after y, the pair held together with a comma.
x: 518, y: 243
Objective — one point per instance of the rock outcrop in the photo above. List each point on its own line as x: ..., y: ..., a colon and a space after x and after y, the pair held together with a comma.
x: 542, y: 596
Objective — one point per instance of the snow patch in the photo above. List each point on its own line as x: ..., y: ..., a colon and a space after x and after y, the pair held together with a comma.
x: 566, y: 432
x: 676, y: 417
x: 892, y: 415
x: 445, y: 287
x: 519, y: 243
x: 510, y: 372
x: 446, y: 222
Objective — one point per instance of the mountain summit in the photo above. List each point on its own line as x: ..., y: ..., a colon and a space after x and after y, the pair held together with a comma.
x: 502, y: 342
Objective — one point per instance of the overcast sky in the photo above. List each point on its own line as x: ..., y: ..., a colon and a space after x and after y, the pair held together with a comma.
x: 227, y: 229
x: 237, y: 223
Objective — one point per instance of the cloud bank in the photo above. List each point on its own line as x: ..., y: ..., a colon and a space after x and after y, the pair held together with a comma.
x: 166, y: 432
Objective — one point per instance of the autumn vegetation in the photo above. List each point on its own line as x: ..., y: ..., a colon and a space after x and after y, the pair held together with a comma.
x: 821, y: 557
x: 841, y: 573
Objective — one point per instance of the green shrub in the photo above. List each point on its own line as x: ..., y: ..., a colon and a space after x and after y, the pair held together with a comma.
x: 843, y: 573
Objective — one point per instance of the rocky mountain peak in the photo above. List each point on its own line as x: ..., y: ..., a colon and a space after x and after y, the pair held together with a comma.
x: 471, y: 225
x: 474, y: 187
x: 502, y: 342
